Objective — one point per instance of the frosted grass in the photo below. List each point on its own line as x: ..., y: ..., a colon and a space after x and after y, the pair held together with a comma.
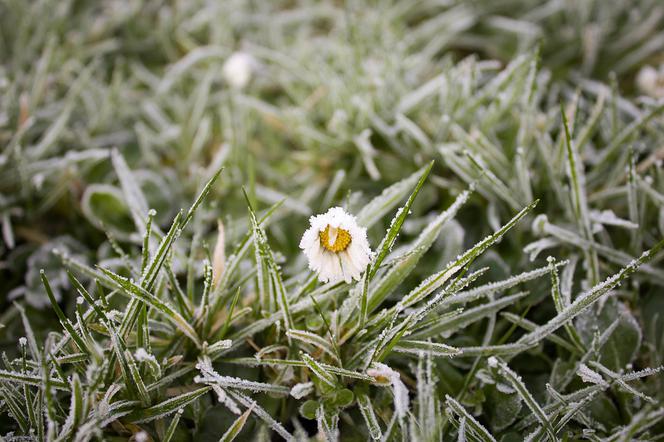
x: 469, y: 141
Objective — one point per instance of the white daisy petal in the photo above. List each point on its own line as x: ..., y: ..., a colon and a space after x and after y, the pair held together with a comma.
x: 336, y: 246
x: 353, y: 271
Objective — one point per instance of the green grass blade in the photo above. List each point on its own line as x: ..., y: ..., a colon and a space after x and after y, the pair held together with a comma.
x: 390, y: 237
x: 166, y: 407
x: 236, y: 427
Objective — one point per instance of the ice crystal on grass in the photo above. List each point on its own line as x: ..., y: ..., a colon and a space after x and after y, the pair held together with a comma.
x: 301, y: 390
x: 588, y: 375
x: 211, y: 377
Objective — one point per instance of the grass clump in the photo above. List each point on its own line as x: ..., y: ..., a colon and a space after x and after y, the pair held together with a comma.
x: 153, y: 198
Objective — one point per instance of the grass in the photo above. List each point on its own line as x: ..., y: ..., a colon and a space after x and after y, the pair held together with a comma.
x: 499, y: 154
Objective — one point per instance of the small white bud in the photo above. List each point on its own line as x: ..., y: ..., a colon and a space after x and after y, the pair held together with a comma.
x: 238, y: 68
x: 651, y: 81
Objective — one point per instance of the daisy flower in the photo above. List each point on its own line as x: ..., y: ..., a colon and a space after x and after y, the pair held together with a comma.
x: 238, y: 68
x: 336, y: 246
x: 651, y: 81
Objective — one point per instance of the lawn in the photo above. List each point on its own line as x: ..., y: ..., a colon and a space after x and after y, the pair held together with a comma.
x: 427, y: 220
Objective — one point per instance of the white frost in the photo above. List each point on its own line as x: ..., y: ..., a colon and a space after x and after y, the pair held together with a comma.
x: 383, y: 373
x: 301, y: 390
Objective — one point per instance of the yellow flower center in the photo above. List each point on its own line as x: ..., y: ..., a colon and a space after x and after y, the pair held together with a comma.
x: 334, y: 239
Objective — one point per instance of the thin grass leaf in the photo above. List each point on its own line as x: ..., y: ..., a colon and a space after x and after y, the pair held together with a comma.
x: 266, y: 258
x: 460, y: 321
x: 201, y: 196
x: 492, y: 288
x: 560, y: 304
x: 76, y: 409
x: 262, y: 414
x: 172, y: 427
x: 633, y: 203
x: 437, y: 280
x: 318, y: 370
x: 236, y: 427
x: 590, y: 127
x: 530, y: 326
x: 166, y: 407
x: 389, y: 198
x: 152, y: 270
x: 433, y: 349
x: 120, y: 352
x: 136, y: 378
x: 313, y: 339
x: 29, y: 333
x: 134, y: 196
x: 26, y: 390
x: 580, y: 203
x: 585, y: 300
x: 209, y: 376
x: 496, y: 185
x: 390, y: 237
x: 458, y: 284
x: 149, y: 277
x: 617, y: 378
x: 66, y: 323
x: 527, y: 398
x: 617, y: 142
x: 364, y: 299
x: 405, y: 264
x: 639, y: 423
x: 140, y: 294
x: 21, y: 378
x: 145, y: 256
x: 611, y: 254
x: 478, y: 430
x: 12, y: 403
x: 369, y: 416
x: 574, y: 409
x: 328, y: 425
x: 391, y: 339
